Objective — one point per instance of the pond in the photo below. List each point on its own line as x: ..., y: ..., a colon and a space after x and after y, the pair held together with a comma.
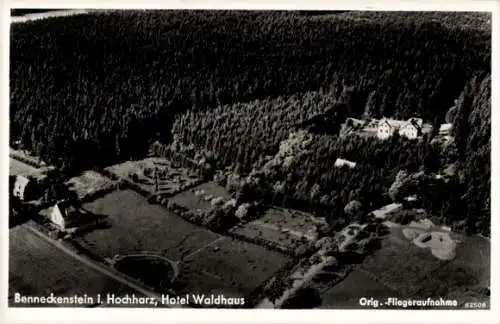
x: 154, y: 271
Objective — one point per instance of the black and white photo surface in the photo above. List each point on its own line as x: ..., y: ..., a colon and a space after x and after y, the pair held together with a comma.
x: 263, y: 159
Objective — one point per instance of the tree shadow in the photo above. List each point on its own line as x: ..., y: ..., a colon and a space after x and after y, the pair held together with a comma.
x: 17, y: 218
x: 19, y: 212
x: 304, y: 298
x: 88, y: 222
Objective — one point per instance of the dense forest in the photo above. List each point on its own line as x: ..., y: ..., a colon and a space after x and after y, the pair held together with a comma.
x: 92, y: 90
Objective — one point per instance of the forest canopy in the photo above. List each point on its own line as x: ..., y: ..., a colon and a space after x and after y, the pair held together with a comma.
x: 92, y: 90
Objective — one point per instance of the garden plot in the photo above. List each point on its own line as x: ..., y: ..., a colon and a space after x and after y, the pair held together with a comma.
x: 201, y: 196
x: 88, y: 183
x: 171, y: 178
x: 285, y: 227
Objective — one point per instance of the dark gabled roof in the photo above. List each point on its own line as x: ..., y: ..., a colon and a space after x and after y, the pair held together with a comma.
x: 386, y: 122
x: 416, y: 124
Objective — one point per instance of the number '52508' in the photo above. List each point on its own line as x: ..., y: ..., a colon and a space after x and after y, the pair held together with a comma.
x: 476, y: 305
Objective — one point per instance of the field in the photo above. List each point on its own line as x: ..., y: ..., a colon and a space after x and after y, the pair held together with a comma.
x: 469, y: 270
x: 171, y: 179
x: 89, y: 182
x: 136, y: 226
x: 285, y: 227
x: 209, y: 261
x: 413, y: 271
x: 38, y: 268
x: 347, y: 293
x: 241, y: 264
x: 206, y: 191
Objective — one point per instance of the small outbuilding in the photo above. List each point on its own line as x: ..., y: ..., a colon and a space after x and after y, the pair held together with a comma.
x: 65, y: 215
x: 384, y: 211
x: 342, y: 162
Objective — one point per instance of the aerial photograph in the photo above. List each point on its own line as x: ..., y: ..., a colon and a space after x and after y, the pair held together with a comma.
x: 258, y: 159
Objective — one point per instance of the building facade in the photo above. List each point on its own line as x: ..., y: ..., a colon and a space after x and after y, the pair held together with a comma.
x: 24, y: 188
x: 410, y: 129
x: 385, y: 129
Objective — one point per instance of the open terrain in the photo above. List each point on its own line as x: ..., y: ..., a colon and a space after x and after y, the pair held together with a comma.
x: 38, y: 268
x: 419, y: 273
x: 244, y: 265
x: 346, y: 294
x: 135, y: 226
x: 214, y: 261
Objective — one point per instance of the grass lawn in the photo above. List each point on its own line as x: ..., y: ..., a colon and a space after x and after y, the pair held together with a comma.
x: 400, y: 264
x: 473, y: 255
x: 413, y: 271
x: 243, y: 265
x: 470, y: 269
x: 347, y: 293
x: 189, y: 200
x: 37, y: 268
x: 136, y: 226
x: 193, y: 280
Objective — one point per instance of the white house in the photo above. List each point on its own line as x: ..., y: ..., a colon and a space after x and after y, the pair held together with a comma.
x: 23, y: 187
x: 341, y: 162
x: 412, y: 128
x: 445, y: 129
x: 411, y: 198
x: 64, y: 215
x: 385, y: 129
